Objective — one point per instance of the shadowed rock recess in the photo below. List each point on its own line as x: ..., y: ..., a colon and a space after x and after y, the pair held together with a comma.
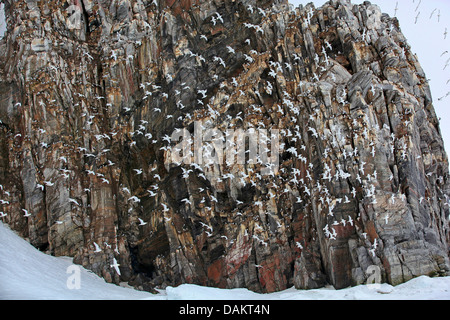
x: 91, y: 91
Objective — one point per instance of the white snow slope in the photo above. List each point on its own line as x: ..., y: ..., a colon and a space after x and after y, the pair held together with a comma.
x: 28, y: 274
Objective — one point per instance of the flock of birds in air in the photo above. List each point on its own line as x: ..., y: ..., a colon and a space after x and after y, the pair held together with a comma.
x: 301, y: 184
x: 435, y: 15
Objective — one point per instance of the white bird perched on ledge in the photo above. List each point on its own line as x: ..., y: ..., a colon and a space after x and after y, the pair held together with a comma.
x: 48, y: 183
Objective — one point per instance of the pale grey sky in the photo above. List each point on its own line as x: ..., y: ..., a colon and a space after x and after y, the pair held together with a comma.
x: 426, y: 37
x: 2, y: 20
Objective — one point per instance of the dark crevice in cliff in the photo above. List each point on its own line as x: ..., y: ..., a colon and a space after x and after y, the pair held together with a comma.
x: 86, y: 19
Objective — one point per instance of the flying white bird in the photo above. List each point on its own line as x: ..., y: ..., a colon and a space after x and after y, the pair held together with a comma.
x: 186, y: 200
x: 27, y: 214
x: 219, y: 17
x: 220, y: 60
x: 231, y: 50
x: 142, y: 222
x: 114, y: 55
x: 74, y: 201
x: 134, y: 198
x: 115, y: 265
x: 206, y: 226
x: 97, y: 247
x: 314, y: 132
x: 151, y: 193
x: 350, y: 220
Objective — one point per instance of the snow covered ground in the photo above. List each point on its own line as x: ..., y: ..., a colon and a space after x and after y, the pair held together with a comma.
x: 26, y: 273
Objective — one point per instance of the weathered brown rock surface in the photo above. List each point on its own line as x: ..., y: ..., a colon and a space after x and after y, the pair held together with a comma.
x: 89, y: 90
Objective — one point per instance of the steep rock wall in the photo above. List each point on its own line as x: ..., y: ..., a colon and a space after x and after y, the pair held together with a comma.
x: 91, y: 91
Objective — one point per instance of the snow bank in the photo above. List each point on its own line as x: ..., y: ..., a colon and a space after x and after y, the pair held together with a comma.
x: 26, y: 273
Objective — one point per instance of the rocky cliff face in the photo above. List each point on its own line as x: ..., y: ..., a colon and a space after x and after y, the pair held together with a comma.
x: 92, y: 90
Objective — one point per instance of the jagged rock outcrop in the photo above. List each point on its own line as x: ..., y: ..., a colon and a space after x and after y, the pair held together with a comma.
x: 91, y: 92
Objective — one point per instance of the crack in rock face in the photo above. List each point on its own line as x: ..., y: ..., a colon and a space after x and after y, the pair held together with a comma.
x: 232, y: 143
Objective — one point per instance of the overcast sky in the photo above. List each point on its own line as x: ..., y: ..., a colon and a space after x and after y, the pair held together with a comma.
x: 426, y: 38
x: 2, y: 20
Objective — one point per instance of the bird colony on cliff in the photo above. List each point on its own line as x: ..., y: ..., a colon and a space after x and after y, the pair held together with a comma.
x: 227, y: 143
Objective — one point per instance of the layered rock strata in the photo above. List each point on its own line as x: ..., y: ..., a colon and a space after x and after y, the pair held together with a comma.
x: 92, y: 91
